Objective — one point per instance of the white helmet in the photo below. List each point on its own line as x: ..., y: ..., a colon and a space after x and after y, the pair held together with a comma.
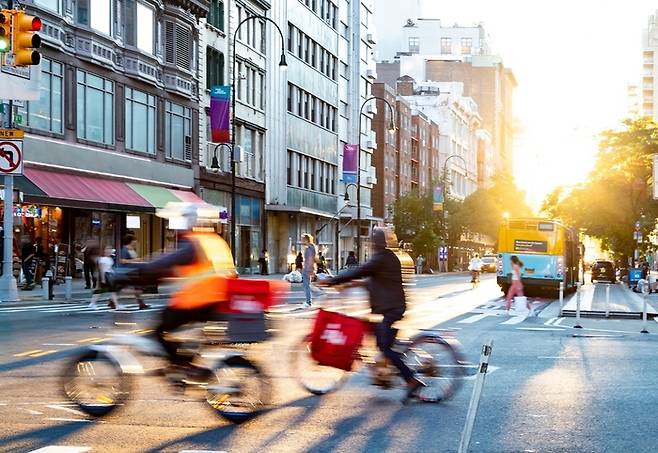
x: 185, y: 216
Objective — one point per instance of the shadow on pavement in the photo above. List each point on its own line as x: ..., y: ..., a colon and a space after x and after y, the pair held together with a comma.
x: 41, y: 437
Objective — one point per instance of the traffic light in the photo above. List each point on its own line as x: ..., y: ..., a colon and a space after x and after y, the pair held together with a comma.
x: 25, y: 40
x: 5, y: 30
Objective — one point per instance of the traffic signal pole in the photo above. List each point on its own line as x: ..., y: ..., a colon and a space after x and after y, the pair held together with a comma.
x: 8, y: 286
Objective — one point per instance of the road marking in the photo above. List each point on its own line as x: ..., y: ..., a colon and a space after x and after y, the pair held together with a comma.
x: 89, y: 340
x: 541, y: 329
x: 23, y: 354
x: 557, y: 357
x: 474, y: 318
x: 61, y: 449
x: 58, y: 344
x: 57, y: 419
x: 515, y: 320
x: 66, y: 409
x: 558, y: 322
x: 550, y: 321
x: 595, y: 335
x: 42, y: 353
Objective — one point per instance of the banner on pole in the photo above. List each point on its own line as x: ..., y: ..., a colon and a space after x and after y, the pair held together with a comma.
x: 220, y: 113
x: 437, y: 198
x: 350, y: 163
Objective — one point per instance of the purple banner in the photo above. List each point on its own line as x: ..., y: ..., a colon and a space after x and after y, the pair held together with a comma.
x: 220, y: 112
x: 350, y: 163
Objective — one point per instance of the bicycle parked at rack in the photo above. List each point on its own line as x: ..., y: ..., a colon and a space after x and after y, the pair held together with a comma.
x: 323, y: 360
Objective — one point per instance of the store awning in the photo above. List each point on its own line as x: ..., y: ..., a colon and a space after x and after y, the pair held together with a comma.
x: 158, y: 197
x: 85, y: 189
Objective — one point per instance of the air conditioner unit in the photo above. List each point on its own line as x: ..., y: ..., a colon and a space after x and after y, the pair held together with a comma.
x: 371, y: 74
x: 371, y: 180
x: 370, y: 143
x: 370, y: 38
x: 371, y: 108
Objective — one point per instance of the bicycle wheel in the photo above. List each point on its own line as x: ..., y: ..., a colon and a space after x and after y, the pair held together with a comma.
x: 95, y: 383
x: 315, y: 378
x: 238, y: 390
x: 437, y: 364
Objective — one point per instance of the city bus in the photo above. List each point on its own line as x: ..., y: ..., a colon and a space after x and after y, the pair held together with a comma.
x: 550, y: 253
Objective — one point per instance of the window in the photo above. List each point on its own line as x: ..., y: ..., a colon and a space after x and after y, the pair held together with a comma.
x: 52, y: 5
x: 446, y: 46
x: 214, y: 67
x: 414, y: 44
x: 216, y: 14
x: 142, y: 37
x: 96, y: 14
x: 95, y: 108
x: 178, y: 45
x: 467, y: 44
x: 46, y: 113
x: 251, y: 32
x: 140, y: 121
x: 178, y: 140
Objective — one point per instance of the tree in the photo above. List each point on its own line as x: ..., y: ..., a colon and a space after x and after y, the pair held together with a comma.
x: 416, y: 222
x: 616, y: 193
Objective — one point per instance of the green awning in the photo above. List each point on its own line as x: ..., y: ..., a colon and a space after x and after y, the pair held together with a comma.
x: 157, y: 196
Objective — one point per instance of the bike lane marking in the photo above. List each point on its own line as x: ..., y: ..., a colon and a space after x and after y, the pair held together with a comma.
x: 474, y: 318
x: 61, y: 448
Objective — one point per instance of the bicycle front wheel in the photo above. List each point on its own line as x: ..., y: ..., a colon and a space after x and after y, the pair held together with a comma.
x: 315, y: 378
x: 437, y: 364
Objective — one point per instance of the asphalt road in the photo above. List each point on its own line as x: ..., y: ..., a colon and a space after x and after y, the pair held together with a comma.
x: 547, y: 390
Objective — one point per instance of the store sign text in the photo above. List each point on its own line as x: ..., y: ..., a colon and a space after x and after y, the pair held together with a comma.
x: 31, y: 211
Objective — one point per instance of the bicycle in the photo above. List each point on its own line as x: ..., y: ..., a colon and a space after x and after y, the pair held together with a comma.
x: 475, y: 279
x: 100, y: 379
x: 435, y: 359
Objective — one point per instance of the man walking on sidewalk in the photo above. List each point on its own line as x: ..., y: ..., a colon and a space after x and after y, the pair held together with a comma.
x: 309, y: 268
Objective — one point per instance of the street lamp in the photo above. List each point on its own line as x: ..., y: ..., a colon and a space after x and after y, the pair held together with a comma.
x: 391, y: 129
x: 445, y: 217
x: 214, y: 165
x: 283, y: 65
x: 346, y: 197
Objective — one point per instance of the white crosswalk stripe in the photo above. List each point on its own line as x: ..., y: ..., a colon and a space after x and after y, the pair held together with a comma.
x: 474, y: 318
x: 515, y: 320
x: 76, y: 308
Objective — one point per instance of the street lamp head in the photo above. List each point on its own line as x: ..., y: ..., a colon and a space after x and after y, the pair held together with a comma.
x: 347, y: 196
x: 283, y: 64
x: 391, y: 127
x: 214, y: 165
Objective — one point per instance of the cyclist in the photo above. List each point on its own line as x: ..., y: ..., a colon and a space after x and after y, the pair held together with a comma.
x: 386, y: 298
x: 475, y: 267
x: 205, y: 262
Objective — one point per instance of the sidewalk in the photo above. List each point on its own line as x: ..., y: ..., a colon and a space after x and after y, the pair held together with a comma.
x: 622, y: 302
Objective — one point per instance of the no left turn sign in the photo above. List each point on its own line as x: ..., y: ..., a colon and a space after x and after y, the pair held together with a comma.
x: 11, y: 157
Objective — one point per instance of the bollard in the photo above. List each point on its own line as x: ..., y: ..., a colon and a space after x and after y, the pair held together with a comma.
x: 578, y: 326
x: 561, y: 297
x: 45, y: 284
x: 68, y: 288
x: 644, y: 312
x: 465, y: 440
x: 607, y: 301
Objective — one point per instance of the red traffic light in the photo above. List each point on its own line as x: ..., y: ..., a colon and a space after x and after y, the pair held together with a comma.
x: 36, y: 24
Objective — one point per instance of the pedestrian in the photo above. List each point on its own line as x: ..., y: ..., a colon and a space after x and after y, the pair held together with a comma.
x: 28, y: 252
x: 263, y: 262
x: 308, y: 270
x: 419, y: 264
x: 299, y: 262
x: 128, y: 257
x: 516, y: 288
x: 351, y: 261
x: 322, y: 269
x: 90, y: 255
x: 105, y: 275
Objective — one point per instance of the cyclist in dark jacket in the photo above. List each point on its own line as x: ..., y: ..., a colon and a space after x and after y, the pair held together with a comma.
x: 386, y: 298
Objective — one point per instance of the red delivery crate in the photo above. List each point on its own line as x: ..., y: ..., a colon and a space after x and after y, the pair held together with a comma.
x: 336, y: 339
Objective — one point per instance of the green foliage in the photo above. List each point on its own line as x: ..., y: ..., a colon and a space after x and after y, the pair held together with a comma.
x: 618, y: 190
x: 417, y: 223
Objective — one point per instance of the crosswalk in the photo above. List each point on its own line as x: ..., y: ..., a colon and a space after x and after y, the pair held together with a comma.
x: 77, y: 308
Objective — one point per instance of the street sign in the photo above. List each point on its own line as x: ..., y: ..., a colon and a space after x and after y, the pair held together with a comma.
x: 12, y: 134
x: 11, y: 157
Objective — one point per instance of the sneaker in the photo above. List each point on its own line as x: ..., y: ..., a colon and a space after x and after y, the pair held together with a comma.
x: 144, y: 306
x: 93, y: 305
x: 414, y: 386
x: 307, y: 305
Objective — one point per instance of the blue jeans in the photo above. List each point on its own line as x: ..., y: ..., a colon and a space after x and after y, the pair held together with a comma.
x: 306, y: 283
x: 385, y: 334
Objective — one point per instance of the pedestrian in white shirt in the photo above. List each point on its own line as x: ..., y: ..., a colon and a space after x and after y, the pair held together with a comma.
x: 105, y: 271
x: 475, y: 267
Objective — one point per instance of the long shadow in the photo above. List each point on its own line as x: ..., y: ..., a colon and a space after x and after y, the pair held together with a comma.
x: 41, y: 437
x: 211, y: 438
x: 24, y: 363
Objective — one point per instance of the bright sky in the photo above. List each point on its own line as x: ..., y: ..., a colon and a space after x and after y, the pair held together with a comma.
x: 573, y: 60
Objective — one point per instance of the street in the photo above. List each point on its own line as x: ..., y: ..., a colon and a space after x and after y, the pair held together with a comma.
x: 546, y: 390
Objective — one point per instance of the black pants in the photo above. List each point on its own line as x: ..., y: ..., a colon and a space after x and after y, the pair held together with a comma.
x: 173, y: 318
x: 28, y: 271
x: 89, y: 270
x: 386, y: 338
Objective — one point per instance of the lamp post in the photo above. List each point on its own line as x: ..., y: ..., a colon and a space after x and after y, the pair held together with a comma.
x: 282, y: 64
x: 391, y: 129
x: 445, y: 217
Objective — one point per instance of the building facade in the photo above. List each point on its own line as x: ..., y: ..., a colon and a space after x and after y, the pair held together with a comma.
x: 650, y: 67
x: 217, y: 55
x: 114, y: 134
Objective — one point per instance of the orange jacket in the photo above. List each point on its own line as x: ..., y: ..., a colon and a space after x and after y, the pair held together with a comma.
x: 206, y: 279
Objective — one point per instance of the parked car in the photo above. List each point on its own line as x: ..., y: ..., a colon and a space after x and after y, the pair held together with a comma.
x: 489, y: 263
x: 603, y: 271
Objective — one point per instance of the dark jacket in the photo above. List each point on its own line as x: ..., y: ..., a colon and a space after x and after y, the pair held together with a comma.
x: 385, y: 285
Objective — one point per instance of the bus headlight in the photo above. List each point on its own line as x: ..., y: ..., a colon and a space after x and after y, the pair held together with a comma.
x: 560, y: 266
